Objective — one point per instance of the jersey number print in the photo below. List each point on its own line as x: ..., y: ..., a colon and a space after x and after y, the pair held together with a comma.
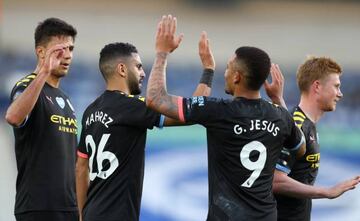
x: 255, y: 166
x: 104, y: 170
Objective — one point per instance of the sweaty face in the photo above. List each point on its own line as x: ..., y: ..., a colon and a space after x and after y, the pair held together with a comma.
x: 135, y: 74
x: 62, y: 69
x: 329, y: 92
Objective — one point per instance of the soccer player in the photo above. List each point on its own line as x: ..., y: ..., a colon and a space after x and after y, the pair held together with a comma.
x: 244, y: 134
x: 112, y: 143
x: 319, y: 83
x: 45, y: 130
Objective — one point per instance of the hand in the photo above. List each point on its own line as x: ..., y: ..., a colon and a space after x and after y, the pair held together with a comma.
x: 206, y: 55
x: 52, y: 59
x: 342, y: 187
x: 275, y: 90
x: 166, y: 40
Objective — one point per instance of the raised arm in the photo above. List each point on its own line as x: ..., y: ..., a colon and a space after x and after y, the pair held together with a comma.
x: 22, y: 105
x: 208, y: 62
x: 157, y: 97
x: 275, y: 90
x: 285, y: 185
x: 204, y: 86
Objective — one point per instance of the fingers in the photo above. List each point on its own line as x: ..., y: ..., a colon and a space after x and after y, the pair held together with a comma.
x: 159, y: 28
x: 180, y: 38
x: 173, y: 25
x: 203, y: 43
x: 166, y: 39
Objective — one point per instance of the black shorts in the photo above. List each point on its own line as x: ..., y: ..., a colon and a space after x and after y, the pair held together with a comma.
x: 48, y: 215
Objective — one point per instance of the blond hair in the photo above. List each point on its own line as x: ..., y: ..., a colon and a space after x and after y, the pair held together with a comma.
x: 315, y: 68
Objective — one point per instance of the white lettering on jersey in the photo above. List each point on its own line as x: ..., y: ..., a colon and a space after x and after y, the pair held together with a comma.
x: 100, y: 117
x: 263, y: 125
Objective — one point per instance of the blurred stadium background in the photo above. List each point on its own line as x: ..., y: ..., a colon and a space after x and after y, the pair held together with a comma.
x: 175, y: 187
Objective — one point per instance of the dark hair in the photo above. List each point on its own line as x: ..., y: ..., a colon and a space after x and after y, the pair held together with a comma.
x: 256, y: 66
x: 111, y: 52
x: 52, y: 27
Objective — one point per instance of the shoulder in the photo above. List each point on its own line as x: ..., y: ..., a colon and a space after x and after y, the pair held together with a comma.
x: 137, y: 98
x: 25, y: 81
x: 21, y: 85
x: 276, y: 108
x: 299, y: 118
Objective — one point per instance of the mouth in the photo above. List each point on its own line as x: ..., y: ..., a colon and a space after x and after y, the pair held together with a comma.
x: 65, y: 65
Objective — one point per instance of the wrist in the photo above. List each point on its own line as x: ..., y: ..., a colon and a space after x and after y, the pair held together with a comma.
x: 207, y: 77
x: 162, y: 54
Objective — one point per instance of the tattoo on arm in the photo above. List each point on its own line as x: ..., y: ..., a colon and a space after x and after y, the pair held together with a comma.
x: 157, y: 96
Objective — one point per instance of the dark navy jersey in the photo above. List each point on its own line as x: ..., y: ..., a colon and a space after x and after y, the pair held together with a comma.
x: 45, y: 147
x: 113, y: 139
x: 303, y: 170
x: 244, y: 139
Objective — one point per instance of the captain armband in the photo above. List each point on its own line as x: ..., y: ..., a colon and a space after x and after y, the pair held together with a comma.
x: 207, y: 77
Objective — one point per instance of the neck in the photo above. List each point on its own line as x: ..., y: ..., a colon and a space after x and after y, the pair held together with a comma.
x: 113, y: 85
x: 53, y: 81
x: 309, y: 106
x: 248, y: 94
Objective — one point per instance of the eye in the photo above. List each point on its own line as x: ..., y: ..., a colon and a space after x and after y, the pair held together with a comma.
x: 139, y: 66
x: 71, y: 48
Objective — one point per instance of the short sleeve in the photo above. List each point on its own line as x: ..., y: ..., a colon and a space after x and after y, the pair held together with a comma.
x: 82, y: 151
x: 295, y: 138
x: 139, y: 115
x: 201, y: 110
x: 20, y: 86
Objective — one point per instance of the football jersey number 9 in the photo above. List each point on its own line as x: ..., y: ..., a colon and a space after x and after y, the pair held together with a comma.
x: 100, y: 157
x: 255, y: 166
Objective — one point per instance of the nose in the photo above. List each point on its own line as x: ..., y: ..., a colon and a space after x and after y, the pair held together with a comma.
x: 143, y: 75
x: 340, y: 94
x: 68, y: 53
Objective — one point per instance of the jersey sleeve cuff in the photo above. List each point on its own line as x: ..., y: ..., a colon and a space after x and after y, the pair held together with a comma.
x: 82, y: 155
x: 161, y: 121
x: 283, y: 169
x: 181, y: 109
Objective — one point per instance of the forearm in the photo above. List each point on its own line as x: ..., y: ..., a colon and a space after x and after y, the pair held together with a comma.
x: 157, y: 97
x: 22, y: 106
x: 204, y: 86
x: 82, y: 185
x: 285, y: 185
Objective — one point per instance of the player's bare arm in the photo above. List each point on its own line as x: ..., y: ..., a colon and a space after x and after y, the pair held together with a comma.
x: 82, y: 182
x: 208, y: 62
x: 157, y: 97
x: 21, y: 107
x: 204, y: 87
x: 275, y: 89
x: 283, y: 184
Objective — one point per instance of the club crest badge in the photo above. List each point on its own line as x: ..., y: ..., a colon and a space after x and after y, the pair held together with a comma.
x: 60, y: 102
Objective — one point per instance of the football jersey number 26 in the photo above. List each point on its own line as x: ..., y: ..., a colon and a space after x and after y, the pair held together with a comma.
x: 255, y: 166
x: 111, y: 161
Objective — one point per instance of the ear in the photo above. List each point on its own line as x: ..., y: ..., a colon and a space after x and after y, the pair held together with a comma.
x: 122, y: 70
x: 316, y: 86
x: 237, y: 77
x: 40, y: 52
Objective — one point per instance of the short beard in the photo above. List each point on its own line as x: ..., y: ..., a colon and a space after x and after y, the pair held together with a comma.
x: 134, y: 88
